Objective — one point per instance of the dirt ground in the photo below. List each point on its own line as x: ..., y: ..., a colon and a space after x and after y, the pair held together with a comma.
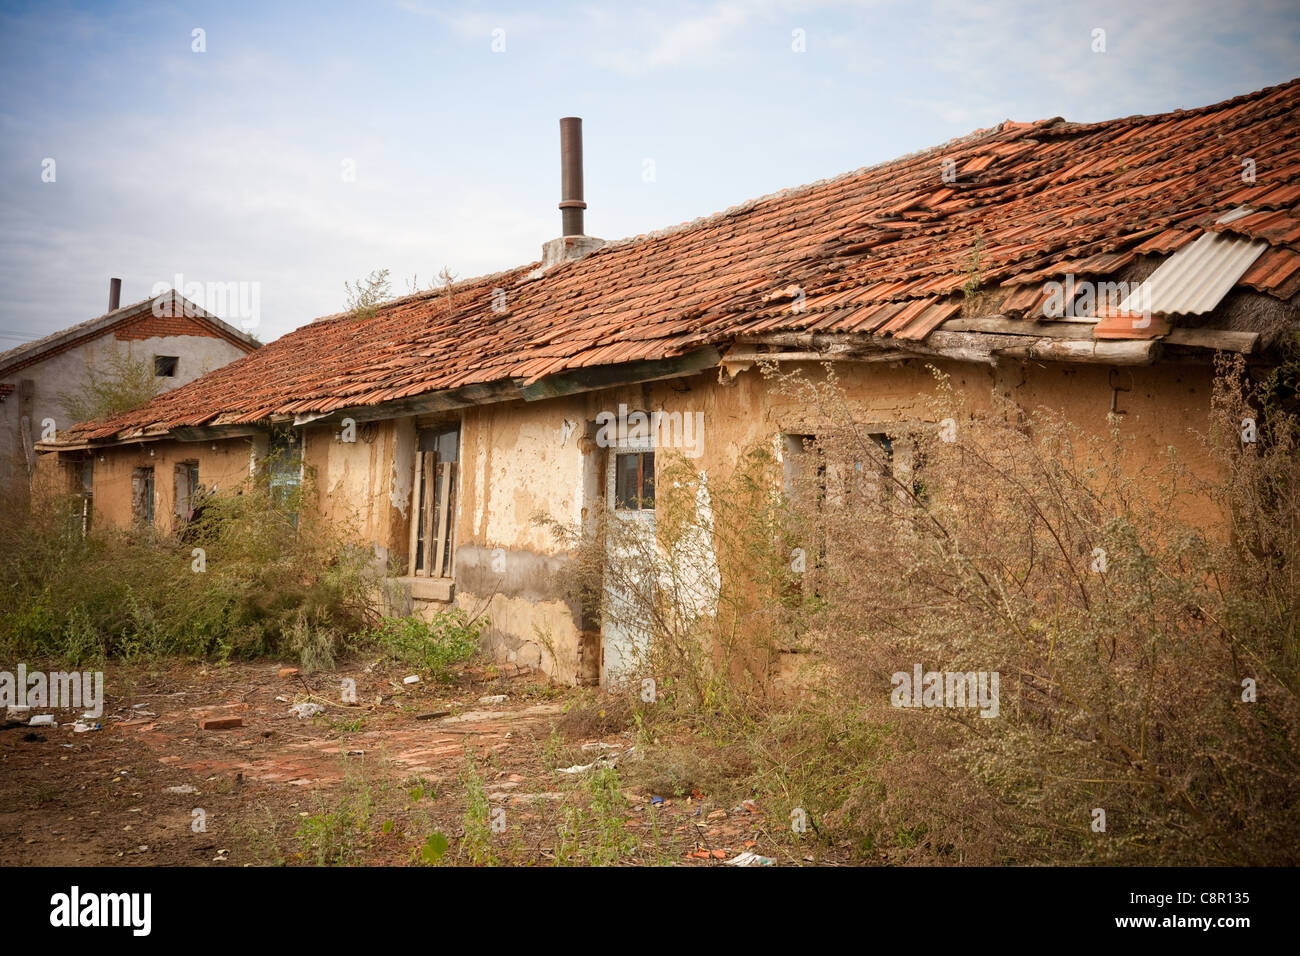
x: 407, y: 768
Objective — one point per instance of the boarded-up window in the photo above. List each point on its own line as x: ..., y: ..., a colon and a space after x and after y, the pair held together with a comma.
x: 142, y: 496
x: 436, y: 459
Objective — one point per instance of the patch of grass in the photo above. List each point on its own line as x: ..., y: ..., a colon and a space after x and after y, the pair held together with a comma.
x: 337, y: 834
x: 476, y: 842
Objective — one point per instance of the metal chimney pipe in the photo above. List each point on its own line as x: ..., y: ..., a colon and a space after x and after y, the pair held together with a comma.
x: 571, y: 204
x: 114, y: 294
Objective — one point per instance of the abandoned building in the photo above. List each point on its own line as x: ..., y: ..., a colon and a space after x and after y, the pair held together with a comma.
x: 178, y: 338
x: 1071, y: 265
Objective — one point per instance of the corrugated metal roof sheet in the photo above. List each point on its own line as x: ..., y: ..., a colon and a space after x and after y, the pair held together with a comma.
x: 1195, y: 279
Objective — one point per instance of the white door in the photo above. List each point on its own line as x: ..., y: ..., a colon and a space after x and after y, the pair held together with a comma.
x: 630, y: 562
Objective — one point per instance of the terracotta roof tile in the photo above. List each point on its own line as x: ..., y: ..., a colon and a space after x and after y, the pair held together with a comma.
x: 883, y: 250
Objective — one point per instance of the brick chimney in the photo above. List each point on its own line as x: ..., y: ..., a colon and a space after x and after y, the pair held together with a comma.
x: 114, y: 294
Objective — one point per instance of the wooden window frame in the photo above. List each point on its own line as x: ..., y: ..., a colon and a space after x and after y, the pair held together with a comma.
x: 189, y: 471
x: 433, y: 555
x: 143, y: 517
x: 640, y: 500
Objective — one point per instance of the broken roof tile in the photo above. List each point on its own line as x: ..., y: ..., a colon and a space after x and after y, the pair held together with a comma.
x: 883, y: 250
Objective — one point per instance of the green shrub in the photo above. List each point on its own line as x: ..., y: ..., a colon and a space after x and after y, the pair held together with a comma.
x: 431, y: 646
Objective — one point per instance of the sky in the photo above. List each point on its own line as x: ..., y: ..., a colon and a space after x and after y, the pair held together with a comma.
x: 283, y: 150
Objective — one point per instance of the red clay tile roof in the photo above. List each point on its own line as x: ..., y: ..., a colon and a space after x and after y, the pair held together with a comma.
x: 884, y: 250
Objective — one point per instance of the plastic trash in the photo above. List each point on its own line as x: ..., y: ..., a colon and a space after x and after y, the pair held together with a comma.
x: 81, y: 727
x: 751, y: 859
x: 42, y: 720
x: 306, y: 710
x: 493, y: 699
x: 413, y: 679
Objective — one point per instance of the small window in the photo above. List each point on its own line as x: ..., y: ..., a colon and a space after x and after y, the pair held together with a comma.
x: 86, y: 502
x: 634, y: 481
x: 164, y: 366
x: 283, y: 469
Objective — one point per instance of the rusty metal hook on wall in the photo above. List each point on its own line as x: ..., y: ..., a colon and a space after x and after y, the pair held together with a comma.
x: 1116, y: 389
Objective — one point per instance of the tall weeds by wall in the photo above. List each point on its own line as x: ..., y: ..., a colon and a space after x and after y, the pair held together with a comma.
x: 257, y: 571
x: 1140, y: 618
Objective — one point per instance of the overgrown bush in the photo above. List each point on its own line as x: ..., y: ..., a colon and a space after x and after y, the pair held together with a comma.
x: 257, y: 573
x: 1141, y: 616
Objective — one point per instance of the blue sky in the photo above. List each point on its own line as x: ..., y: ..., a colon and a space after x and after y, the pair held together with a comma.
x: 228, y: 165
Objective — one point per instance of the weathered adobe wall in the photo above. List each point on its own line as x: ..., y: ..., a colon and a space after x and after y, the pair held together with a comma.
x: 519, y: 459
x: 223, y: 464
x: 355, y: 482
x: 1165, y: 406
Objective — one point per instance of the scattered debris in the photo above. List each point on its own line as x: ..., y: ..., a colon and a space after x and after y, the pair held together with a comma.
x: 81, y: 727
x: 220, y: 723
x: 751, y: 859
x: 703, y: 854
x: 494, y: 699
x: 717, y: 815
x: 306, y: 710
x: 42, y: 720
x: 413, y: 679
x: 606, y: 759
x: 288, y: 672
x: 183, y: 788
x: 655, y: 801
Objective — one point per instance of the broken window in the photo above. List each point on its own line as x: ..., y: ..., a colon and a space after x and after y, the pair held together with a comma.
x: 142, y: 496
x: 164, y: 366
x: 634, y: 481
x: 437, y: 455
